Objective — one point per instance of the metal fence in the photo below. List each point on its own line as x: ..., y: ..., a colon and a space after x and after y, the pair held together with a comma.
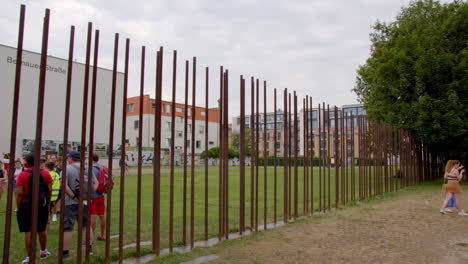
x: 357, y: 158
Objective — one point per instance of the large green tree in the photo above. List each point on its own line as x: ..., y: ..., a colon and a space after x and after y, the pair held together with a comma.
x: 417, y: 75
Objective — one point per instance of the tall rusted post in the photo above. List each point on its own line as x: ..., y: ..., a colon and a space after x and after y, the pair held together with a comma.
x: 221, y: 159
x: 63, y: 180
x: 328, y: 156
x: 296, y: 139
x: 192, y: 174
x: 83, y: 142
x: 157, y: 157
x: 336, y: 150
x: 285, y: 156
x: 122, y: 153
x: 226, y: 153
x: 111, y: 148
x: 140, y: 150
x: 172, y: 146
x: 253, y: 150
x: 14, y: 129
x: 184, y: 196
x: 290, y: 121
x: 257, y: 153
x: 275, y: 161
x: 312, y: 147
x: 206, y: 149
x: 305, y: 159
x: 265, y: 157
x: 320, y: 118
x: 242, y: 157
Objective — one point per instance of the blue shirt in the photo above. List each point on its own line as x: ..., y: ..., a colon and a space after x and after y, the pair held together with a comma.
x: 96, y: 175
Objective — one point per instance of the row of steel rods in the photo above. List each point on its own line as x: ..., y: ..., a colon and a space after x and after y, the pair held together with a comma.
x: 388, y: 158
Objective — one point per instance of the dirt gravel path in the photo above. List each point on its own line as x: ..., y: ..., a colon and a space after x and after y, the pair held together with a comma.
x: 402, y: 228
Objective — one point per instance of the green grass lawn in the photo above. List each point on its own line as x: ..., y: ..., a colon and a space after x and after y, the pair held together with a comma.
x: 17, y: 251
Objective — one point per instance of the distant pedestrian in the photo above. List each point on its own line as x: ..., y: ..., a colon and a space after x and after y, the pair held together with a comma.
x: 98, y: 207
x: 453, y: 174
x: 3, y: 179
x: 123, y: 164
x: 54, y: 200
x: 24, y: 199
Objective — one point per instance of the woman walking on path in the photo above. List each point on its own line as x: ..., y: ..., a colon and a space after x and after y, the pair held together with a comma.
x: 453, y: 173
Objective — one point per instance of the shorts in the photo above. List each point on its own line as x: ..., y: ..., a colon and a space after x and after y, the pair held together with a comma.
x: 71, y: 216
x: 24, y: 216
x: 453, y: 187
x: 98, y: 206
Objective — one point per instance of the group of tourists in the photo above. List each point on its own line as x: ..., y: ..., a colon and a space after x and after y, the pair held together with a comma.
x: 49, y: 198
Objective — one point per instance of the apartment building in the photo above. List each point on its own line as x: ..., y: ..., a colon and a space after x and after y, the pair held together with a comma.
x: 147, y: 125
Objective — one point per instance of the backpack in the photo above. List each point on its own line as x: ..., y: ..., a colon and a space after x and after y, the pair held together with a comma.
x: 43, y: 190
x: 104, y: 183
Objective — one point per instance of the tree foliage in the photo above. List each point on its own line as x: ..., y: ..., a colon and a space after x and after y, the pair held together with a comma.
x: 236, y: 142
x: 417, y: 75
x: 213, y: 153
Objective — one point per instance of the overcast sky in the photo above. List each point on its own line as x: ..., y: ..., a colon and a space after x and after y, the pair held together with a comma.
x: 311, y: 47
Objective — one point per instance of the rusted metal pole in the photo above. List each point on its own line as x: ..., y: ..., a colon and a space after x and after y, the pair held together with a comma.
x: 83, y: 143
x: 296, y: 145
x: 265, y: 156
x: 206, y: 149
x: 336, y: 150
x: 275, y: 161
x: 157, y: 156
x: 305, y: 159
x: 257, y: 152
x: 242, y: 157
x: 14, y: 129
x: 226, y: 153
x: 91, y: 144
x: 172, y: 146
x: 221, y: 160
x: 329, y: 155
x: 38, y: 141
x: 65, y: 142
x: 111, y: 148
x: 319, y: 118
x: 285, y: 156
x: 123, y: 154
x: 253, y: 150
x: 184, y: 197
x: 312, y: 154
x: 140, y: 150
x: 192, y: 174
x: 290, y: 121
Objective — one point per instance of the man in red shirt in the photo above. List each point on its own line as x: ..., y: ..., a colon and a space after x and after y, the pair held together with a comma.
x: 23, y: 203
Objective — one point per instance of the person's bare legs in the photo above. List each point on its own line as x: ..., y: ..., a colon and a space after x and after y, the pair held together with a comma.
x: 43, y: 240
x: 446, y: 201
x: 27, y: 241
x: 458, y: 201
x: 67, y: 237
x: 102, y: 219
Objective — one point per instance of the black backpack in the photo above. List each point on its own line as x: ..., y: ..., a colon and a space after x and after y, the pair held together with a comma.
x: 43, y: 190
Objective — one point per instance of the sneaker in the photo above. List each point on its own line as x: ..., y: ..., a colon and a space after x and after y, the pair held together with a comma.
x: 442, y: 211
x: 448, y: 210
x: 25, y: 261
x: 462, y: 213
x: 45, y: 254
x: 54, y: 218
x: 66, y: 255
x: 91, y: 250
x: 100, y: 238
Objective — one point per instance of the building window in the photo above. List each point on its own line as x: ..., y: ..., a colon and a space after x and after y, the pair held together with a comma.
x: 179, y: 133
x: 168, y: 124
x: 211, y: 142
x: 277, y: 145
x: 136, y: 124
x: 137, y: 141
x: 130, y: 108
x: 179, y: 119
x: 178, y: 110
x: 189, y: 128
x: 202, y: 129
x: 203, y: 113
x: 189, y: 111
x: 188, y: 143
x: 153, y: 105
x: 127, y: 141
x: 198, y: 144
x: 168, y: 108
x: 238, y: 121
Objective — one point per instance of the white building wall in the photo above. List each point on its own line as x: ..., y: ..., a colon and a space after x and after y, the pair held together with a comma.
x: 54, y: 104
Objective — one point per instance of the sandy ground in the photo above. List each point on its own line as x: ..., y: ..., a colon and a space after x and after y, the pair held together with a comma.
x: 403, y: 228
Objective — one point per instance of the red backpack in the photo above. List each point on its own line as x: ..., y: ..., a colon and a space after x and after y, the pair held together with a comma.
x: 105, y: 184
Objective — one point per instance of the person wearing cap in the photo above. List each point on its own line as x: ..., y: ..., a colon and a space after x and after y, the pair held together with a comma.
x: 72, y: 200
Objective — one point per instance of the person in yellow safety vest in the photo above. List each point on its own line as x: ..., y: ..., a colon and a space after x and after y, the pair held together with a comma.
x: 54, y: 199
